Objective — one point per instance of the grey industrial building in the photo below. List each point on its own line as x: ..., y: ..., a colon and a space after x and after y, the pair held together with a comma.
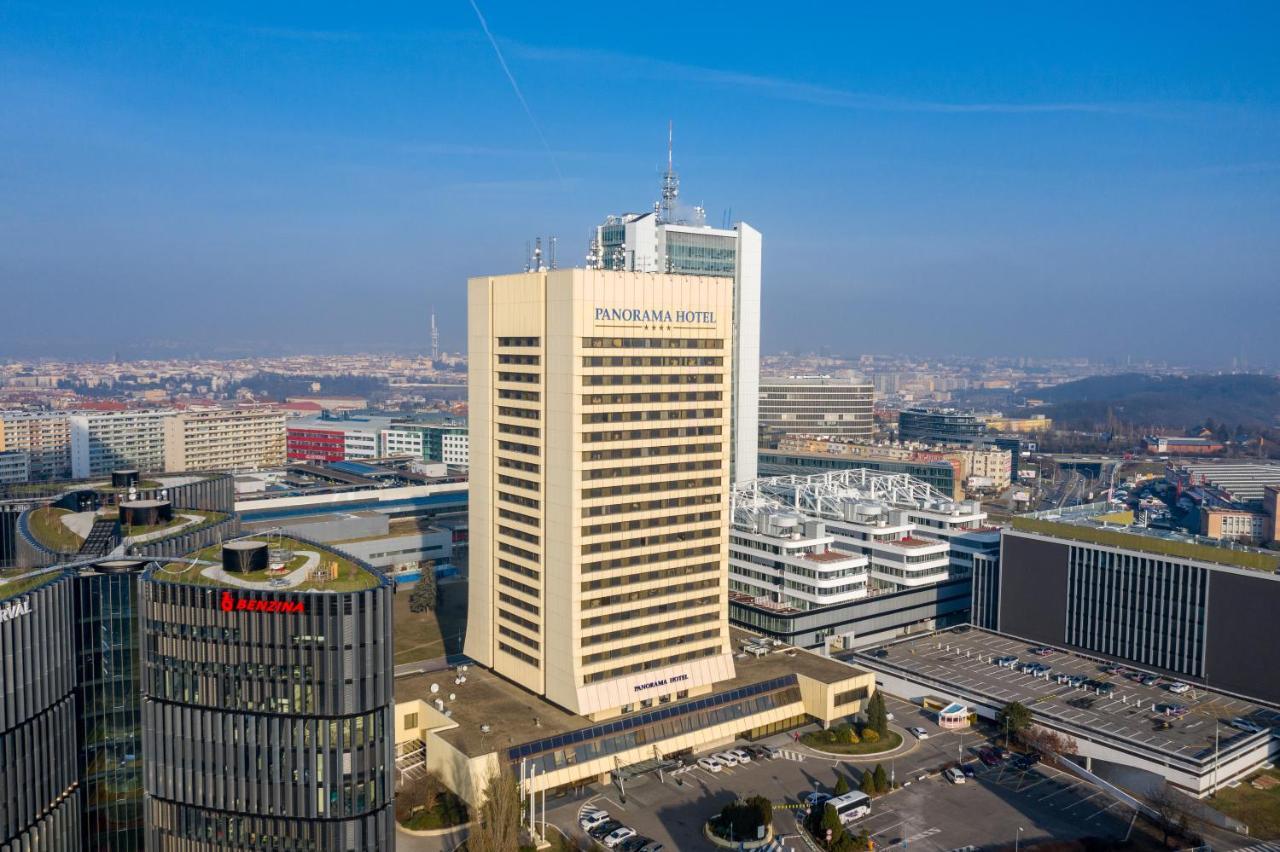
x: 1193, y: 608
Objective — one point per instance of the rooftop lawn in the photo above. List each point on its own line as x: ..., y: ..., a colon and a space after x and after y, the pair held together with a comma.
x: 13, y: 588
x: 179, y: 518
x: 48, y: 529
x: 351, y: 577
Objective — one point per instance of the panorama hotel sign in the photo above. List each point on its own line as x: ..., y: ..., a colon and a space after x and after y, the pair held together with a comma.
x: 654, y: 315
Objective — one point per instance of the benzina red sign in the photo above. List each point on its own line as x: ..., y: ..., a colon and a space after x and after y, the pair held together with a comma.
x: 228, y: 603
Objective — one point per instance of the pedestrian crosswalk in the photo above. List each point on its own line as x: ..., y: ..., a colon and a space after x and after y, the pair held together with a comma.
x: 1260, y: 847
x: 788, y: 754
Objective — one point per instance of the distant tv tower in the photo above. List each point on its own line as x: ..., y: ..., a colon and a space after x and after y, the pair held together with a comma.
x: 435, y: 337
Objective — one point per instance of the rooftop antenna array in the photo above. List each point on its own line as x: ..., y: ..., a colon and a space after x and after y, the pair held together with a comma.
x: 535, y: 257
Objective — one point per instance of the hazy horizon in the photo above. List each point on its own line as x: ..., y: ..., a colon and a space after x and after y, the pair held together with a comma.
x: 929, y: 181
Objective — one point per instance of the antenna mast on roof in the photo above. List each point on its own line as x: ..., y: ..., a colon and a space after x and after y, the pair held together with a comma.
x: 670, y: 183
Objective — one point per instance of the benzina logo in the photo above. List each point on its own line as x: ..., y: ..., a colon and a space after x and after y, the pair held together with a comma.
x: 232, y: 604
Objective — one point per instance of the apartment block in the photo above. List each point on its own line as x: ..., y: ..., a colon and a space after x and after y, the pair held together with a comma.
x: 45, y: 436
x: 224, y: 439
x: 103, y: 441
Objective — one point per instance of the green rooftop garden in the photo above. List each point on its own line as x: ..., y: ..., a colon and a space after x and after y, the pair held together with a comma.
x: 179, y: 518
x: 48, y: 529
x: 339, y: 575
x: 10, y: 587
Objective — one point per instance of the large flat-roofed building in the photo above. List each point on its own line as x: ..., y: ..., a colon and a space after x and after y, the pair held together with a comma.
x: 941, y: 425
x: 103, y: 441
x: 44, y: 436
x: 1198, y: 609
x: 15, y: 466
x: 600, y: 417
x: 851, y: 557
x: 464, y: 731
x: 1109, y: 716
x: 945, y: 477
x: 818, y: 405
x: 231, y: 439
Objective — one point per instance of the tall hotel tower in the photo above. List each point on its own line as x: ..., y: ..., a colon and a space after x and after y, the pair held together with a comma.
x: 601, y: 410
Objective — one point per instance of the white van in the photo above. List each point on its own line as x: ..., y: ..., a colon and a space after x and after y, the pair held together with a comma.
x: 954, y: 775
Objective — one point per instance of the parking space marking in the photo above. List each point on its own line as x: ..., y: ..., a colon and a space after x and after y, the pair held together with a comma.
x: 1084, y: 800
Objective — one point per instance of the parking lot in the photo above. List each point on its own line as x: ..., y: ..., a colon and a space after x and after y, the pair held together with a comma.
x: 1132, y: 711
x: 928, y: 813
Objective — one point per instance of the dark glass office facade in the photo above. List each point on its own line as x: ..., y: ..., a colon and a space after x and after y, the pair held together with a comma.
x: 268, y: 727
x: 137, y: 713
x: 39, y: 766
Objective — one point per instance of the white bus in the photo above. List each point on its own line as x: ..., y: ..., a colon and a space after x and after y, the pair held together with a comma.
x: 851, y: 806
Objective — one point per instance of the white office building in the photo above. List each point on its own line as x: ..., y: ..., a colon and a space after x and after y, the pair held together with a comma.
x: 904, y: 531
x: 818, y: 405
x: 676, y: 239
x: 103, y: 441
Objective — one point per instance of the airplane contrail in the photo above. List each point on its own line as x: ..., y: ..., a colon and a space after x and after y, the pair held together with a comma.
x: 484, y: 25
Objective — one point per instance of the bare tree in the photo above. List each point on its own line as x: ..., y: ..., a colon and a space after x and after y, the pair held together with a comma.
x: 1173, y: 815
x: 497, y: 824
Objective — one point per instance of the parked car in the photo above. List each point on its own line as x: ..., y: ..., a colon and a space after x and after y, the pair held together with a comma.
x: 591, y: 819
x: 710, y: 764
x: 604, y: 829
x: 1042, y: 651
x: 1244, y: 724
x: 1149, y: 680
x: 1106, y: 690
x: 653, y: 846
x: 988, y: 757
x: 1178, y: 687
x: 634, y: 844
x: 728, y: 758
x: 742, y: 754
x: 919, y: 733
x: 954, y: 775
x: 968, y: 770
x: 1006, y: 662
x: 618, y: 835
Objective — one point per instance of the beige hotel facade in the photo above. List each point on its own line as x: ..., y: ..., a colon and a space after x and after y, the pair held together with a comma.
x: 600, y: 426
x: 600, y: 434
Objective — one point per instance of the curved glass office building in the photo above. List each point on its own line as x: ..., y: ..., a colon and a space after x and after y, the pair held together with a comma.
x: 169, y: 705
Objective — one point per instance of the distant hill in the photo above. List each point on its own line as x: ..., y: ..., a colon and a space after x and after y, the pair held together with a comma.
x: 1138, y: 400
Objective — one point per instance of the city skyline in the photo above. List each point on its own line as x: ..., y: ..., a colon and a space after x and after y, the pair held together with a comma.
x: 1070, y: 188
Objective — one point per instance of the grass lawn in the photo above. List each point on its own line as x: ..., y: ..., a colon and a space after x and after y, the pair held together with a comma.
x: 180, y: 518
x: 351, y: 577
x: 417, y: 634
x: 47, y: 527
x: 813, y: 740
x: 1258, y: 809
x: 13, y: 588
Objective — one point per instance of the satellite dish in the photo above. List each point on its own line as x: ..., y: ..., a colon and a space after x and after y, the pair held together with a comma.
x: 435, y: 687
x: 452, y: 696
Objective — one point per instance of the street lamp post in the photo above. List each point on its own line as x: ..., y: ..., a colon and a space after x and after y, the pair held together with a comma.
x: 1017, y: 839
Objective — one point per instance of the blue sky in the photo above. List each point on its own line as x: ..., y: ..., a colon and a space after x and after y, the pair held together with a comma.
x: 1099, y: 180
